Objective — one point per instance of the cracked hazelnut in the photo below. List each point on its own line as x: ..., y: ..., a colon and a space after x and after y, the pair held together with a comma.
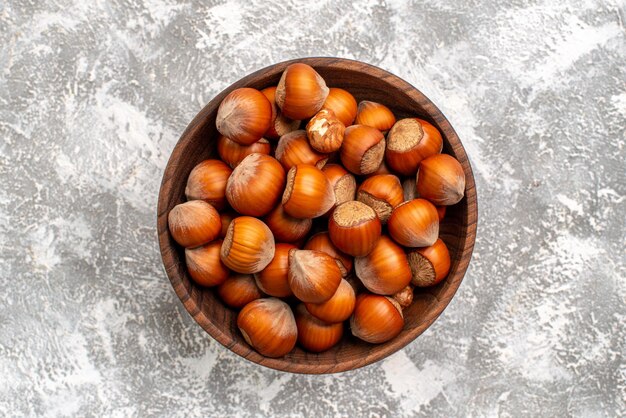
x: 325, y: 132
x: 404, y: 297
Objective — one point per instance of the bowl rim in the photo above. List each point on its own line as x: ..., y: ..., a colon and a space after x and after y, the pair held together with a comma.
x: 173, y: 268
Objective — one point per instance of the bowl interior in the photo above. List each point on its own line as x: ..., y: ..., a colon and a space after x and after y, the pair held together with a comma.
x: 457, y: 230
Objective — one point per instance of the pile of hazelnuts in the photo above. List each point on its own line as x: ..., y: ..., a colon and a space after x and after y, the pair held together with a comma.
x: 305, y: 229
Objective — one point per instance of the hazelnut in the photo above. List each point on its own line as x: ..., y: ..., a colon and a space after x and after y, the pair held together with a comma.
x: 363, y: 149
x: 325, y: 132
x: 248, y: 246
x: 414, y: 223
x: 255, y: 186
x: 294, y: 148
x: 301, y: 92
x: 204, y: 265
x: 316, y: 335
x: 269, y: 326
x: 313, y: 275
x: 375, y: 115
x: 429, y: 265
x: 441, y: 180
x: 194, y: 223
x: 308, y: 193
x: 354, y: 228
x: 207, y: 181
x: 382, y: 193
x: 244, y: 116
x: 409, y: 142
x: 342, y: 104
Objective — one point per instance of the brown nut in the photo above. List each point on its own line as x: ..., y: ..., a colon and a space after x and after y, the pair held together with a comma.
x: 239, y: 290
x: 376, y: 319
x: 244, y: 116
x: 285, y: 227
x: 313, y: 275
x: 204, y: 264
x: 280, y: 125
x: 404, y: 297
x: 382, y: 169
x: 325, y: 132
x: 385, y: 270
x: 256, y: 184
x: 342, y: 104
x: 294, y: 148
x: 414, y: 223
x: 226, y: 218
x: 194, y: 223
x: 315, y: 335
x: 354, y: 228
x: 301, y: 92
x: 409, y: 189
x: 343, y: 183
x: 308, y: 193
x: 336, y: 309
x: 273, y: 279
x: 441, y: 180
x: 233, y: 153
x: 363, y: 149
x: 269, y: 326
x: 248, y: 246
x: 409, y: 142
x: 382, y: 193
x: 321, y: 242
x: 207, y: 181
x: 375, y: 115
x: 429, y: 265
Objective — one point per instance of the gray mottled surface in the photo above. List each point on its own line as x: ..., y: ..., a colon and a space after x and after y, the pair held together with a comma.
x: 93, y: 96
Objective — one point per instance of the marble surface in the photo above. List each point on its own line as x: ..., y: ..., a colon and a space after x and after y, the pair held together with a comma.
x: 93, y: 97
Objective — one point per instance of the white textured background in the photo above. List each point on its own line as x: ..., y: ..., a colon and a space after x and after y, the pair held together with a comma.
x: 93, y: 96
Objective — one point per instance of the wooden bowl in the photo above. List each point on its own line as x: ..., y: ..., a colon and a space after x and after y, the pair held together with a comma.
x: 458, y: 229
